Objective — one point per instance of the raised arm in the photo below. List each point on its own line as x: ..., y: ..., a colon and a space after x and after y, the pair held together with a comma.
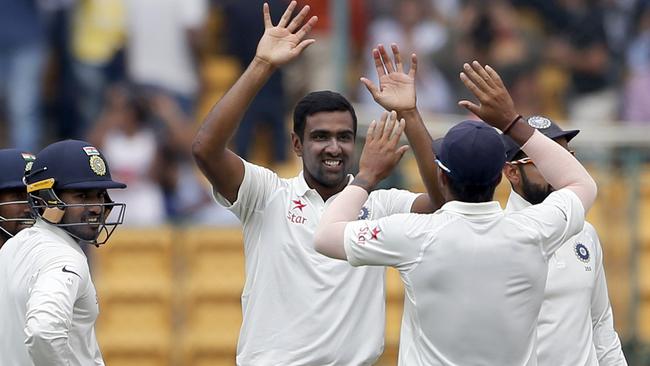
x: 496, y: 108
x: 279, y: 45
x: 380, y: 155
x: 397, y: 92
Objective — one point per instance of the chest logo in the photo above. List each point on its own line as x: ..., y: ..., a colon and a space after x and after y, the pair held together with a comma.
x: 298, y: 205
x: 295, y: 212
x: 364, y: 213
x: 582, y: 252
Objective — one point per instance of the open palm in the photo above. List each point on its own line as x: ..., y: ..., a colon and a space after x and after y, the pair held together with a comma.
x: 283, y: 42
x: 396, y: 89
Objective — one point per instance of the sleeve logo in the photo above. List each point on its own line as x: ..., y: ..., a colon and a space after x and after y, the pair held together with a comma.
x: 582, y: 252
x: 366, y: 234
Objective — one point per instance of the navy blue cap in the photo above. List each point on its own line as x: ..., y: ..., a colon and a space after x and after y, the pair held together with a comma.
x: 544, y: 125
x: 471, y: 152
x: 70, y: 164
x: 12, y: 166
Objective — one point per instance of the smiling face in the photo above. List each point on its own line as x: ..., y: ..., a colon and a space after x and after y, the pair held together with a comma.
x: 90, y: 215
x: 13, y: 211
x: 327, y: 149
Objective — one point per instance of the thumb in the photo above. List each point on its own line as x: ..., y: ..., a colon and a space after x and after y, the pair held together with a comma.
x: 372, y: 88
x: 470, y: 106
x: 402, y: 150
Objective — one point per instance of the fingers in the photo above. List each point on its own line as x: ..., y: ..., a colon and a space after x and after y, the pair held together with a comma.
x: 287, y: 14
x: 388, y: 63
x: 379, y: 65
x: 370, y: 134
x: 389, y: 127
x: 402, y: 150
x: 397, y: 132
x: 298, y: 19
x: 495, y: 76
x: 267, y: 16
x: 306, y: 28
x: 372, y: 88
x: 483, y: 74
x: 475, y: 77
x: 304, y: 44
x: 397, y: 57
x: 472, y: 87
x: 470, y: 106
x: 414, y: 65
x: 379, y: 130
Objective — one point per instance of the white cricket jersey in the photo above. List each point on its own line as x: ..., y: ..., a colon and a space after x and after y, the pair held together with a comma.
x: 575, y: 325
x: 301, y: 307
x: 473, y: 276
x: 48, y: 303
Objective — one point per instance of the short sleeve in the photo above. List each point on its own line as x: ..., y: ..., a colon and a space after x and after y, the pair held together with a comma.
x: 393, y: 201
x: 395, y: 241
x: 256, y: 187
x: 559, y: 217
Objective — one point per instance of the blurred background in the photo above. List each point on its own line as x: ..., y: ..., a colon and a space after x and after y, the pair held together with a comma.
x: 135, y: 78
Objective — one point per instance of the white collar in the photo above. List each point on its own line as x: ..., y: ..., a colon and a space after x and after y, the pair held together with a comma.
x: 516, y: 202
x: 469, y: 208
x: 59, y: 233
x: 301, y: 187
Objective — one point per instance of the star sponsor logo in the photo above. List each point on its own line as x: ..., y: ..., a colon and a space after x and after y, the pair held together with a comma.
x: 367, y: 233
x: 295, y: 212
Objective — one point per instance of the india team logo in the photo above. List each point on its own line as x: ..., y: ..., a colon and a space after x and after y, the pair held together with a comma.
x: 582, y: 252
x: 364, y: 213
x: 539, y: 122
x: 97, y: 165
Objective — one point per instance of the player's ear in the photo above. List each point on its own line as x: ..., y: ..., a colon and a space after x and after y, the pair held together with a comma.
x: 296, y: 143
x: 512, y: 173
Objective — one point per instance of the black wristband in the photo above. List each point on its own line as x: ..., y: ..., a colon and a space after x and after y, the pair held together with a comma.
x: 509, y: 126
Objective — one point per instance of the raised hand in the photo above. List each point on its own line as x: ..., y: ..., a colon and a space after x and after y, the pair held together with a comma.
x: 381, y: 152
x: 496, y: 106
x: 396, y: 89
x: 283, y: 42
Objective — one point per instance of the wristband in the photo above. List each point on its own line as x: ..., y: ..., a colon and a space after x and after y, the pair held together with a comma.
x: 509, y: 126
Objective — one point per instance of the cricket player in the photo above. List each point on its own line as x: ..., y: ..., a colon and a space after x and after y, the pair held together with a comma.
x: 15, y: 214
x: 575, y: 325
x: 47, y: 296
x: 474, y: 275
x: 299, y: 307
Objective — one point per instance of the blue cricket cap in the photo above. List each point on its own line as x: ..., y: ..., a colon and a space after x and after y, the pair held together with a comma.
x: 544, y: 125
x: 12, y: 166
x: 70, y: 164
x: 471, y: 152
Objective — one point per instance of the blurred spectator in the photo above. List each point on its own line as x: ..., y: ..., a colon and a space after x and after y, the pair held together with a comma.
x: 413, y: 27
x: 268, y: 109
x: 580, y: 43
x: 129, y: 142
x: 97, y: 41
x: 636, y: 108
x: 163, y: 46
x: 315, y: 69
x: 22, y: 55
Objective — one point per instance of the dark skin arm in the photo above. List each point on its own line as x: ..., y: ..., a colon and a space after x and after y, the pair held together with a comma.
x: 495, y: 104
x: 279, y: 45
x: 396, y: 92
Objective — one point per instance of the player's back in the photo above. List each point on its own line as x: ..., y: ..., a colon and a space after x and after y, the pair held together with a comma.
x: 474, y: 292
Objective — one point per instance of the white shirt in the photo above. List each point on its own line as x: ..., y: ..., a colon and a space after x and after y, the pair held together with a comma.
x: 48, y: 304
x: 473, y: 276
x: 158, y: 49
x: 575, y: 325
x: 301, y: 307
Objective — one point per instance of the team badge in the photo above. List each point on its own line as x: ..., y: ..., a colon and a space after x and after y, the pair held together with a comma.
x: 97, y: 165
x: 582, y: 252
x: 539, y: 122
x: 364, y: 213
x: 29, y: 160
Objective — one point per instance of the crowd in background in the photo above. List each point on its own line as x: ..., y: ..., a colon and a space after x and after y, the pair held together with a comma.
x: 127, y: 75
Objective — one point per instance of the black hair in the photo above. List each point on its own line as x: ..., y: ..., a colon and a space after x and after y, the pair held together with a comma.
x: 519, y: 155
x: 320, y: 101
x: 473, y: 193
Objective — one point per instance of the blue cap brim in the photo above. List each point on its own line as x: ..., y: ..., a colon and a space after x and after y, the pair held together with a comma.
x: 98, y: 184
x: 17, y: 184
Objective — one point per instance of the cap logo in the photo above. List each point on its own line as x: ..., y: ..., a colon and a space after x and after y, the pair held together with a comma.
x: 539, y: 122
x: 97, y: 165
x: 91, y: 150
